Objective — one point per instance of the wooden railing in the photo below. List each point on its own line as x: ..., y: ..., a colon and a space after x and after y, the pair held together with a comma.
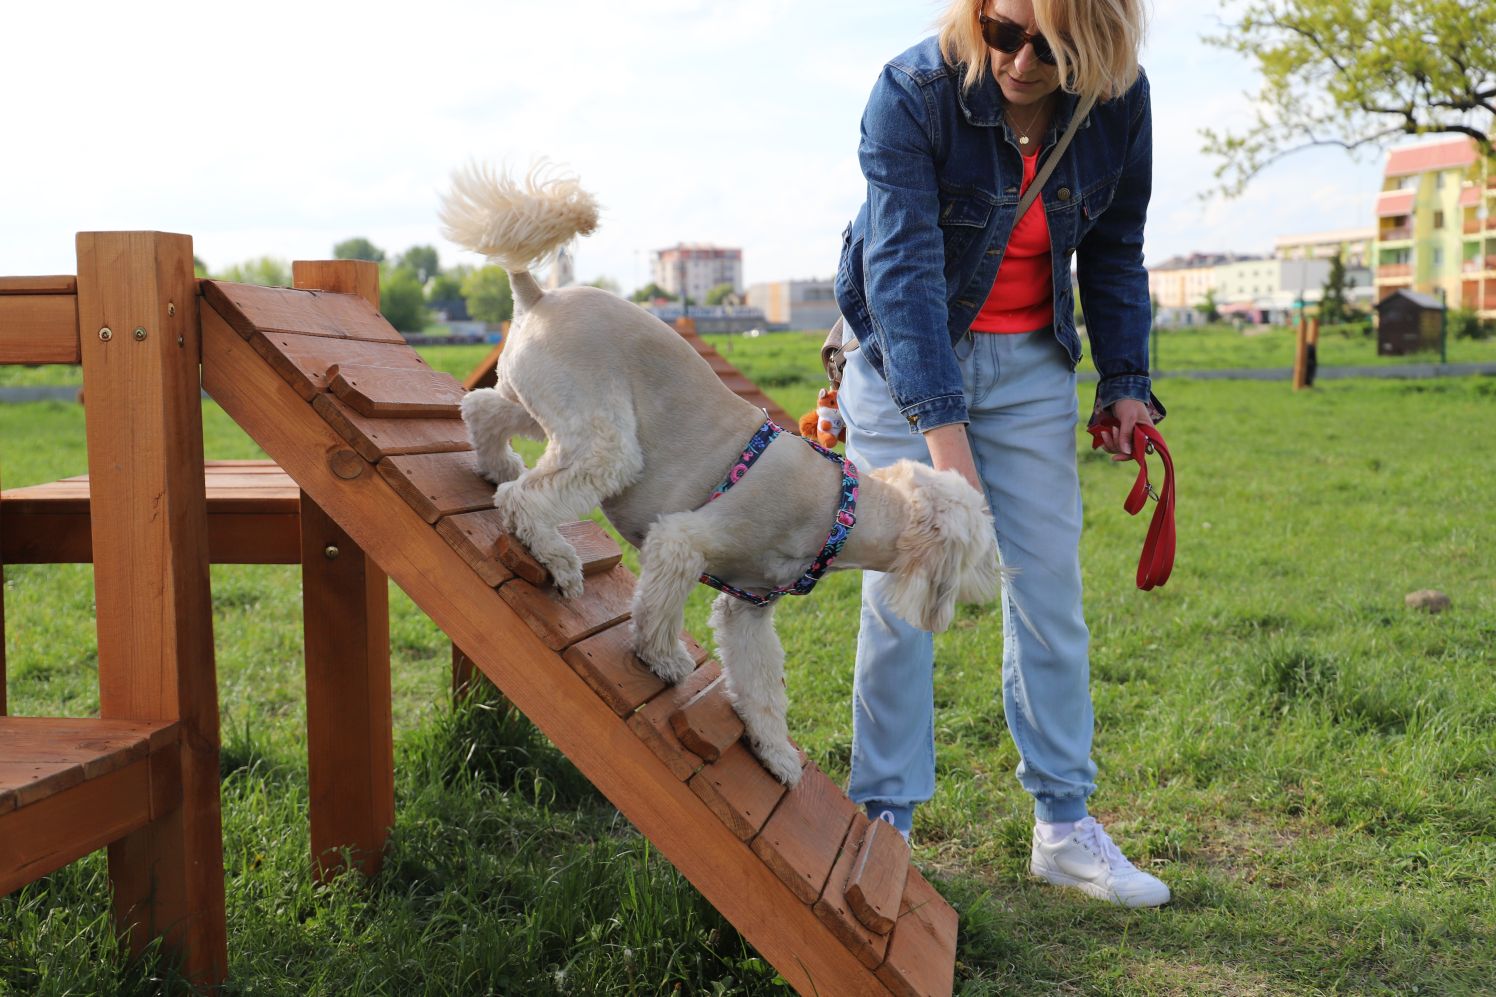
x: 39, y: 320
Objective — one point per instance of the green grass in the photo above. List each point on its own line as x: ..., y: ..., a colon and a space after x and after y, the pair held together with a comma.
x: 1306, y: 761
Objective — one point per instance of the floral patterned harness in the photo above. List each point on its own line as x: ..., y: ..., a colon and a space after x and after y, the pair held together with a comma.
x: 846, y: 517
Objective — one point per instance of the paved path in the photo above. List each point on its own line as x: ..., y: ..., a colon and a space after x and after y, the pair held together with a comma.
x: 1407, y: 370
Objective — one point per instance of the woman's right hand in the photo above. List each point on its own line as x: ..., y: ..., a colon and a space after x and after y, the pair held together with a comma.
x: 950, y: 450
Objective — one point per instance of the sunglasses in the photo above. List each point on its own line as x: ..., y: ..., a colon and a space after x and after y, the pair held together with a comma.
x: 1008, y: 38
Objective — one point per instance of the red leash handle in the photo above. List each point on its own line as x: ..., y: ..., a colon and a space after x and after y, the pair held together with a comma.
x: 1157, y: 561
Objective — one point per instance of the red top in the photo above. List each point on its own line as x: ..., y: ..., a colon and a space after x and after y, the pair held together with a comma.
x: 1022, y: 296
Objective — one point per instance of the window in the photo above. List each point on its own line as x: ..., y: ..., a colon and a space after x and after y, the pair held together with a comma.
x: 1438, y: 256
x: 1439, y: 215
x: 1438, y: 181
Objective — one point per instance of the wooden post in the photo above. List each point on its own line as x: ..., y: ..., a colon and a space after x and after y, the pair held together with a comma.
x: 1301, y: 352
x: 345, y: 597
x: 2, y: 637
x: 138, y: 302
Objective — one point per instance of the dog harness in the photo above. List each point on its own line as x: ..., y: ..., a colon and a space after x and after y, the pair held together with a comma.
x: 846, y: 517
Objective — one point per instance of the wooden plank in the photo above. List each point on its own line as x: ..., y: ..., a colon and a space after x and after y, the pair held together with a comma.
x: 360, y: 277
x: 52, y: 284
x: 867, y: 945
x: 707, y: 724
x: 474, y: 536
x: 378, y: 438
x: 921, y: 958
x: 250, y: 309
x: 652, y: 721
x: 562, y: 622
x: 39, y: 328
x: 607, y: 663
x: 42, y: 838
x: 155, y: 639
x: 350, y: 743
x: 533, y: 677
x: 485, y: 374
x: 304, y: 360
x: 392, y: 393
x: 739, y: 790
x: 803, y: 837
x: 876, y: 882
x: 237, y: 538
x: 595, y: 547
x: 439, y: 484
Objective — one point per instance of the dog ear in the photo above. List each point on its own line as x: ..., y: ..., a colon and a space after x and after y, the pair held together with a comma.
x: 947, y: 548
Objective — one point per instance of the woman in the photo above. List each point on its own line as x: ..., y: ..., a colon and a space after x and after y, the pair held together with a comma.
x: 965, y: 318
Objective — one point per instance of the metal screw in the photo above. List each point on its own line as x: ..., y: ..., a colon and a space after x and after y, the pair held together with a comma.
x: 140, y: 334
x: 171, y: 308
x: 331, y: 551
x: 181, y: 341
x: 106, y: 334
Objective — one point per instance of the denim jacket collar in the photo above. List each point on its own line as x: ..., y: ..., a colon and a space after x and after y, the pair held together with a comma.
x: 983, y: 105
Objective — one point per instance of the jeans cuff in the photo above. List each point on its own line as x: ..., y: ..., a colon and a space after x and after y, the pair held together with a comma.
x: 903, y: 814
x: 1058, y: 809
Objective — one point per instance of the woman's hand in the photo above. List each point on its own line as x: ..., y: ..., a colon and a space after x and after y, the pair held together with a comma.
x: 950, y: 450
x: 1117, y: 440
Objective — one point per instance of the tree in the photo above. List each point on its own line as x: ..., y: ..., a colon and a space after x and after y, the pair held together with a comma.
x: 607, y: 284
x: 265, y: 270
x: 422, y: 260
x: 402, y: 300
x: 358, y: 248
x: 447, y: 285
x: 488, y: 295
x: 1208, y: 308
x: 651, y: 292
x: 1353, y: 73
x: 1333, y: 309
x: 719, y: 293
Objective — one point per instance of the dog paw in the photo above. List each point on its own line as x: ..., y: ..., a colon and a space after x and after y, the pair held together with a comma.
x: 568, y: 579
x: 782, y: 761
x: 671, y: 664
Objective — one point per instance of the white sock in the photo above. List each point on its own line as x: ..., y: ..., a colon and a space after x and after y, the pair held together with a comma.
x: 1050, y: 833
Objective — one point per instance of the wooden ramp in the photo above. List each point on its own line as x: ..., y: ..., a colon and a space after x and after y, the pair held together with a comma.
x: 334, y: 395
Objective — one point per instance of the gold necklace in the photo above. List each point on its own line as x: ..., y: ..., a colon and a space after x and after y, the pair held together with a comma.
x: 1023, y: 133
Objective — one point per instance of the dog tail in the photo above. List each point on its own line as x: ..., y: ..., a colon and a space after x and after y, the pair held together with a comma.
x: 517, y: 224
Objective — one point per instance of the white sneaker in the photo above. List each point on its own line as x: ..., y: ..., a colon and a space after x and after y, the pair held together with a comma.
x: 1087, y: 860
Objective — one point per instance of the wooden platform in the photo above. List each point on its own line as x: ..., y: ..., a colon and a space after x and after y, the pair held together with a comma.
x: 777, y: 864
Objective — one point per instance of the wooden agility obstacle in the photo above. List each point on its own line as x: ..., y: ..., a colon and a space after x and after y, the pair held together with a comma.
x: 372, y: 439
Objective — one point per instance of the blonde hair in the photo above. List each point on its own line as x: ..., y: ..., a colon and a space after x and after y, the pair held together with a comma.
x: 1095, y: 42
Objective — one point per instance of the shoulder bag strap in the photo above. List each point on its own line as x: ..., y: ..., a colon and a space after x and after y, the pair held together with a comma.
x: 1054, y: 157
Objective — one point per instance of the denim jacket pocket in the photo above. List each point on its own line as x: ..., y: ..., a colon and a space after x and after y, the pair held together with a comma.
x: 1096, y: 200
x: 964, y: 215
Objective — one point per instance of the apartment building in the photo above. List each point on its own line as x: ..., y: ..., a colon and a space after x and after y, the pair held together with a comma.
x: 796, y: 304
x: 696, y: 268
x: 1436, y: 233
x: 1353, y: 245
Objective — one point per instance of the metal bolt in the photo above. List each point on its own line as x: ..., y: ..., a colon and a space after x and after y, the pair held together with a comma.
x: 331, y: 551
x: 140, y: 334
x: 106, y: 334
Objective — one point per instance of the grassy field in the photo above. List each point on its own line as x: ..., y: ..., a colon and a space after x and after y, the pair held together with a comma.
x: 1306, y: 761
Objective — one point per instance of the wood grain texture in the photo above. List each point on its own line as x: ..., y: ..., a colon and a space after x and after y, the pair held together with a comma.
x: 393, y: 393
x: 155, y: 639
x: 595, y: 547
x: 41, y: 756
x: 607, y: 663
x: 804, y: 835
x: 652, y: 721
x: 533, y: 676
x: 562, y: 622
x: 474, y: 536
x: 251, y: 309
x: 376, y: 438
x: 707, y: 724
x: 439, y: 484
x: 39, y: 328
x: 867, y: 945
x: 51, y: 284
x: 738, y: 790
x: 876, y: 883
x: 303, y: 361
x: 921, y: 959
x: 359, y: 277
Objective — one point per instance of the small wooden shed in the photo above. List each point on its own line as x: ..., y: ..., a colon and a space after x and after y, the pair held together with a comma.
x: 1407, y: 322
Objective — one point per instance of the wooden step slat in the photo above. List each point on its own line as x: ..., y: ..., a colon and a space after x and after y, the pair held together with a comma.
x: 303, y: 361
x: 475, y: 538
x: 707, y: 724
x: 393, y: 393
x: 739, y: 790
x: 921, y: 958
x: 607, y: 663
x: 41, y: 756
x: 250, y: 309
x: 833, y: 911
x: 439, y: 484
x: 876, y: 883
x: 652, y: 721
x: 562, y: 622
x: 803, y: 837
x: 597, y: 549
x: 378, y: 438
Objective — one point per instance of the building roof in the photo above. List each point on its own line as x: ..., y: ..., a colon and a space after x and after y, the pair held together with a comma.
x: 1417, y: 297
x: 1322, y: 238
x: 1442, y: 154
x: 1395, y: 202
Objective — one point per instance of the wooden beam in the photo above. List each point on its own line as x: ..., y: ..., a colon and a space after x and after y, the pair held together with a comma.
x: 39, y: 328
x: 154, y: 610
x: 346, y: 614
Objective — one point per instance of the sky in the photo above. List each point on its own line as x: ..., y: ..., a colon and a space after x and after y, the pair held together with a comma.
x: 279, y: 129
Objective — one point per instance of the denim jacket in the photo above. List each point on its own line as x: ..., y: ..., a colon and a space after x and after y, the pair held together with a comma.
x: 943, y: 172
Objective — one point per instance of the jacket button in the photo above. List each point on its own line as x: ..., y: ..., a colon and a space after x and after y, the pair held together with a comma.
x: 1064, y: 193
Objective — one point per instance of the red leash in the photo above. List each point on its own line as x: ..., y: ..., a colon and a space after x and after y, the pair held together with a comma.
x: 1158, y: 549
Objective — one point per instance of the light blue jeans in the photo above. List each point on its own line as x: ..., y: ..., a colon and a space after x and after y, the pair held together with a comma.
x: 1021, y: 394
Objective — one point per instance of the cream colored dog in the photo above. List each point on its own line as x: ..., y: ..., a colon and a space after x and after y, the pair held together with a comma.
x: 636, y: 421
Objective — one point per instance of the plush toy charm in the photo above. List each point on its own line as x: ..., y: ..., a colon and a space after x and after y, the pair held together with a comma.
x: 824, y: 423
